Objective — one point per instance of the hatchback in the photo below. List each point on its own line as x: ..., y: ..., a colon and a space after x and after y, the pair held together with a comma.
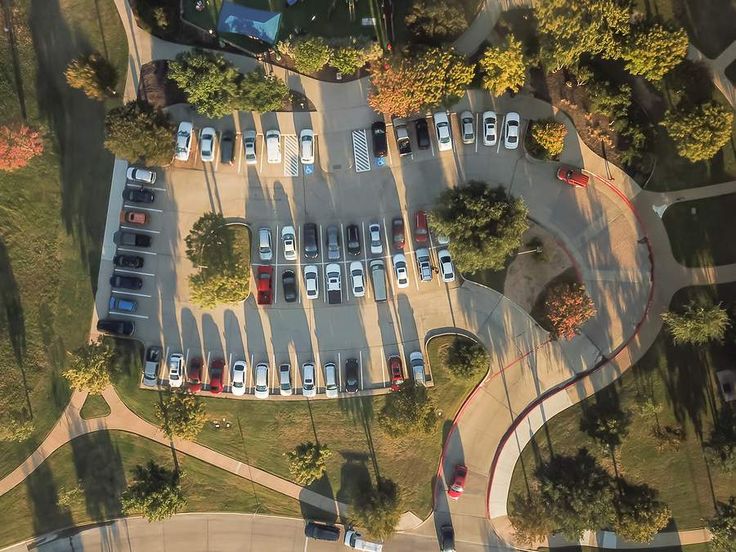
x: 422, y: 129
x: 141, y: 175
x: 311, y: 281
x: 124, y: 328
x: 490, y: 128
x: 208, y: 144
x: 380, y: 145
x: 397, y: 233
x: 446, y: 268
x: 126, y: 282
x: 121, y: 304
x: 217, y: 369
x: 357, y: 278
x: 261, y: 386
x: 184, y: 141
x: 309, y: 388
x: 306, y: 142
x: 128, y: 261
x: 333, y: 243
x: 511, y: 131
x: 285, y: 380
x: 573, y: 177
x: 352, y: 239
x: 467, y: 127
x: 194, y: 382
x: 249, y: 145
x: 421, y: 229
x: 138, y: 195
x: 396, y: 371
x: 442, y: 128
x: 458, y: 482
x: 351, y: 375
x: 133, y: 217
x: 238, y: 386
x: 374, y: 231
x: 288, y: 281
x: 176, y: 369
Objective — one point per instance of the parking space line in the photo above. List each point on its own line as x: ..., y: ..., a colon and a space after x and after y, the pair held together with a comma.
x: 365, y: 242
x: 186, y: 358
x: 260, y: 164
x: 317, y: 369
x: 253, y: 377
x: 154, y: 188
x: 227, y: 375
x: 435, y: 258
x: 360, y: 354
x: 131, y: 293
x: 116, y: 313
x: 206, y: 369
x: 138, y: 208
x: 383, y: 365
x: 165, y: 363
x: 339, y: 370
x: 239, y: 151
x: 477, y: 131
x: 137, y: 229
x: 126, y: 271
x: 137, y: 251
x: 273, y: 374
x: 499, y: 133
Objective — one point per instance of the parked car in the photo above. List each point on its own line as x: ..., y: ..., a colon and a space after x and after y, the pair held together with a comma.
x: 311, y: 281
x: 401, y: 270
x: 331, y: 388
x: 396, y: 372
x: 374, y: 232
x: 380, y: 145
x: 421, y: 229
x: 138, y: 195
x: 261, y: 387
x: 424, y: 264
x: 133, y: 217
x: 288, y: 239
x: 306, y: 143
x: 511, y: 131
x: 447, y: 539
x: 573, y: 177
x: 217, y: 368
x: 121, y: 304
x: 333, y: 243
x: 249, y: 145
x: 467, y: 127
x: 355, y: 540
x: 152, y: 365
x: 184, y: 141
x: 238, y: 378
x: 397, y: 233
x: 124, y: 328
x: 352, y: 239
x: 416, y: 361
x: 442, y: 128
x: 128, y: 261
x: 321, y: 531
x: 273, y: 146
x: 139, y: 174
x: 264, y: 285
x: 357, y: 279
x: 285, y: 379
x: 458, y: 482
x: 288, y: 282
x: 132, y: 239
x: 352, y: 375
x: 126, y: 282
x: 310, y: 241
x: 447, y: 270
x: 227, y: 147
x: 194, y: 382
x: 309, y: 387
x: 265, y: 250
x: 208, y: 144
x: 422, y: 128
x: 403, y: 143
x: 176, y: 369
x: 490, y: 128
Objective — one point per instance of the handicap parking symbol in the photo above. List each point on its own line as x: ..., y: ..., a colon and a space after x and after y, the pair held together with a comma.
x: 380, y: 161
x: 308, y: 169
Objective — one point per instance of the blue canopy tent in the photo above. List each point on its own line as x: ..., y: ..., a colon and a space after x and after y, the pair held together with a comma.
x: 259, y: 25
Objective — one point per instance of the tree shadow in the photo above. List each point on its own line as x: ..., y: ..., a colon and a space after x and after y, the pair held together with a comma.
x: 321, y: 486
x: 43, y: 496
x: 355, y: 477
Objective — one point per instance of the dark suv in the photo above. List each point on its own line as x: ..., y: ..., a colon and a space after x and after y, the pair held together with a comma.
x: 132, y: 239
x: 422, y: 133
x: 380, y: 146
x: 128, y: 261
x: 322, y: 532
x: 126, y: 282
x: 116, y: 327
x: 352, y: 239
x: 311, y: 243
x: 351, y: 375
x: 138, y: 195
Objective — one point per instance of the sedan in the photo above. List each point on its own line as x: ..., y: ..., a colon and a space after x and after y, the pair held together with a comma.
x: 380, y: 145
x: 184, y: 141
x: 134, y: 217
x: 217, y: 369
x: 126, y: 282
x: 446, y: 268
x: 311, y: 281
x: 467, y: 127
x: 352, y: 239
x: 402, y: 271
x: 208, y: 144
x: 141, y: 175
x: 374, y: 232
x: 490, y: 128
x: 238, y: 386
x: 138, y: 195
x: 351, y: 375
x: 249, y: 145
x: 458, y: 482
x: 285, y: 387
x: 288, y: 281
x: 288, y: 238
x: 511, y: 131
x: 132, y: 239
x: 421, y: 127
x: 153, y: 362
x: 398, y: 237
x: 442, y: 128
x: 573, y: 177
x: 128, y: 261
x: 306, y: 142
x: 357, y: 278
x: 176, y: 369
x: 309, y: 388
x: 396, y: 371
x: 195, y: 375
x: 123, y: 328
x: 261, y: 386
x: 121, y: 304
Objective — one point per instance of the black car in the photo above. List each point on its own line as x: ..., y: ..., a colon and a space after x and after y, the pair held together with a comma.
x: 320, y: 531
x: 138, y: 195
x: 126, y: 282
x: 380, y: 145
x: 310, y: 241
x: 128, y: 261
x: 351, y: 375
x: 422, y: 133
x: 447, y: 538
x: 288, y: 280
x: 132, y: 239
x: 116, y: 327
x: 227, y: 147
x: 352, y: 239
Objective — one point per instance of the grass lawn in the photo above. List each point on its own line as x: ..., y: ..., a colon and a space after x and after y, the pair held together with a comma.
x: 90, y: 473
x: 703, y: 547
x: 95, y: 406
x: 681, y: 380
x: 697, y: 238
x: 262, y: 431
x: 53, y: 211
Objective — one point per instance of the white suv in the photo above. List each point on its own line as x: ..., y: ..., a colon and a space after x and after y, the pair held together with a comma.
x: 309, y: 386
x: 176, y: 369
x: 442, y: 128
x: 184, y: 141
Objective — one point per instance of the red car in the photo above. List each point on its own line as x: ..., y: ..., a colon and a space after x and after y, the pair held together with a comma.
x: 195, y: 375
x: 458, y: 482
x: 573, y: 177
x: 133, y: 217
x: 397, y: 232
x: 264, y: 285
x: 397, y: 372
x: 217, y: 368
x: 421, y: 231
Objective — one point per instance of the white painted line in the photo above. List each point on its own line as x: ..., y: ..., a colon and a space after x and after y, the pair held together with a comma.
x: 360, y: 354
x: 138, y: 229
x: 137, y: 251
x: 206, y: 369
x: 385, y: 235
x: 431, y: 142
x: 260, y: 165
x: 477, y: 131
x: 273, y: 377
x: 415, y: 268
x: 339, y: 372
x: 137, y: 207
x: 317, y: 369
x: 253, y: 377
x: 126, y: 292
x: 383, y: 365
x: 186, y: 359
x: 499, y: 133
x: 128, y: 314
x: 365, y: 243
x: 137, y: 273
x: 166, y: 364
x: 238, y: 142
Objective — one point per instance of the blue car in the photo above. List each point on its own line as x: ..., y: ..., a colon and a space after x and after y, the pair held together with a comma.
x: 122, y: 305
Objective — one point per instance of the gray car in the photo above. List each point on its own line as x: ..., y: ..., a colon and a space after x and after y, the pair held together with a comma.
x: 333, y: 243
x: 153, y: 362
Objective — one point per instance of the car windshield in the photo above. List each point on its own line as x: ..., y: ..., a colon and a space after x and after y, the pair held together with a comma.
x: 238, y: 384
x: 306, y: 138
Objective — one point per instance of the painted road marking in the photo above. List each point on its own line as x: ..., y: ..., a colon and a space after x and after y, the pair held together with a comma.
x: 137, y: 251
x: 360, y: 151
x: 126, y: 292
x: 137, y: 229
x: 291, y: 155
x: 137, y: 207
x: 128, y: 314
x: 360, y: 354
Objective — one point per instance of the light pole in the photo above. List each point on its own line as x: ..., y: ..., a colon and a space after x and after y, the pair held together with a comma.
x: 537, y: 250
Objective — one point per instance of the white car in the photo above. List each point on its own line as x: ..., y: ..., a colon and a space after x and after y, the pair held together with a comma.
x: 467, y: 127
x: 249, y: 145
x: 238, y: 385
x: 306, y: 142
x: 273, y: 146
x: 208, y: 144
x: 402, y: 271
x: 357, y: 278
x: 331, y: 381
x: 184, y: 141
x: 176, y: 369
x: 309, y: 386
x: 311, y: 281
x: 288, y: 238
x: 261, y: 386
x: 446, y: 268
x: 416, y: 360
x: 442, y: 128
x: 511, y: 131
x: 138, y: 174
x: 490, y: 128
x: 374, y: 232
x: 265, y: 250
x: 285, y: 387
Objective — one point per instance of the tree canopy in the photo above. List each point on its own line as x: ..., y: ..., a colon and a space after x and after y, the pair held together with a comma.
x: 89, y: 366
x: 307, y: 462
x: 653, y: 51
x: 261, y: 93
x: 640, y: 516
x: 181, y: 414
x: 408, y: 409
x: 378, y: 509
x: 546, y: 138
x: 697, y: 324
x: 136, y: 132
x: 155, y: 493
x: 18, y: 145
x: 723, y: 527
x: 310, y: 54
x: 720, y: 448
x: 466, y: 359
x: 93, y: 74
x: 435, y: 21
x: 503, y: 68
x: 568, y: 307
x: 699, y: 133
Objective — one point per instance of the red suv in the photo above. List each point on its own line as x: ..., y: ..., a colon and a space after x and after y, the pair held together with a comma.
x: 195, y: 375
x: 216, y: 370
x: 397, y: 231
x: 421, y: 231
x: 397, y: 372
x: 573, y: 177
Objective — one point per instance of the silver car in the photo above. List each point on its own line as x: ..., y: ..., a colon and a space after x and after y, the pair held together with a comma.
x: 374, y: 231
x: 333, y: 243
x: 466, y: 124
x: 249, y: 145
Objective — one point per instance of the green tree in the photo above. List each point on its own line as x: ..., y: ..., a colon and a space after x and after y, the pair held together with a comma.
x: 640, y: 516
x: 503, y: 68
x: 310, y: 54
x: 546, y: 138
x: 697, y: 324
x: 89, y: 366
x: 16, y: 426
x: 155, y: 493
x: 378, y: 509
x: 607, y: 426
x: 181, y: 414
x: 261, y: 93
x: 307, y: 462
x: 723, y: 527
x: 608, y: 100
x: 93, y: 75
x: 210, y: 242
x: 653, y: 51
x: 208, y: 289
x: 566, y: 308
x: 408, y: 409
x: 466, y: 359
x: 530, y: 518
x: 721, y: 445
x: 484, y: 225
x: 701, y: 132
x: 435, y: 21
x: 136, y: 132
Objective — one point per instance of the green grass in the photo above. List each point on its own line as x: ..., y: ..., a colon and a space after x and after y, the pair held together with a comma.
x: 53, y: 211
x: 698, y: 239
x: 92, y: 471
x: 682, y: 380
x: 94, y: 406
x: 703, y: 547
x: 262, y: 431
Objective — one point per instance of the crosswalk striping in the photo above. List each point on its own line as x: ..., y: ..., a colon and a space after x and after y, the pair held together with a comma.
x: 360, y: 151
x: 291, y: 155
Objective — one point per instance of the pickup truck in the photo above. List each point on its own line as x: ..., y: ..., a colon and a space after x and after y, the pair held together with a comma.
x: 264, y: 285
x: 353, y: 539
x: 402, y: 139
x: 423, y: 264
x: 334, y: 293
x: 132, y: 239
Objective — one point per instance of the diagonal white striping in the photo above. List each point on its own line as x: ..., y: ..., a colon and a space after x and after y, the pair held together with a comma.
x: 291, y: 155
x: 360, y: 151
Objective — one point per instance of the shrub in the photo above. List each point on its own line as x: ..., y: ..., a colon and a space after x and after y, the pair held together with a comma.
x: 310, y: 54
x: 181, y: 414
x: 89, y: 366
x: 567, y: 308
x: 546, y: 138
x: 653, y: 51
x: 307, y: 462
x: 408, y: 409
x: 466, y: 359
x: 435, y: 21
x: 93, y: 75
x: 155, y: 493
x: 503, y: 68
x: 18, y: 145
x: 136, y: 132
x: 697, y: 325
x: 378, y: 509
x: 699, y: 133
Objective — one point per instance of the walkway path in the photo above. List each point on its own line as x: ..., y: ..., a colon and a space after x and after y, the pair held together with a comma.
x: 717, y: 69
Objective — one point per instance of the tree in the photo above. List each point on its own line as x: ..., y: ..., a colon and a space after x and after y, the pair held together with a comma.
x: 606, y: 425
x: 608, y: 100
x: 89, y: 366
x: 640, y: 516
x: 18, y: 145
x: 547, y: 138
x: 408, y: 409
x: 210, y: 242
x: 210, y: 82
x: 16, y: 426
x: 155, y: 493
x: 136, y: 132
x: 181, y: 414
x: 210, y: 289
x: 466, y: 359
x: 701, y: 132
x: 721, y: 445
x: 529, y: 516
x: 261, y: 93
x: 566, y: 308
x: 697, y: 325
x: 378, y: 509
x: 435, y: 21
x: 503, y: 68
x: 93, y: 74
x: 653, y: 51
x: 307, y: 462
x: 722, y: 527
x: 310, y: 54
x: 484, y: 225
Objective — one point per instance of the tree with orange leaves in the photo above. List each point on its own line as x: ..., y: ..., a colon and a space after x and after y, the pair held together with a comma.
x: 18, y: 145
